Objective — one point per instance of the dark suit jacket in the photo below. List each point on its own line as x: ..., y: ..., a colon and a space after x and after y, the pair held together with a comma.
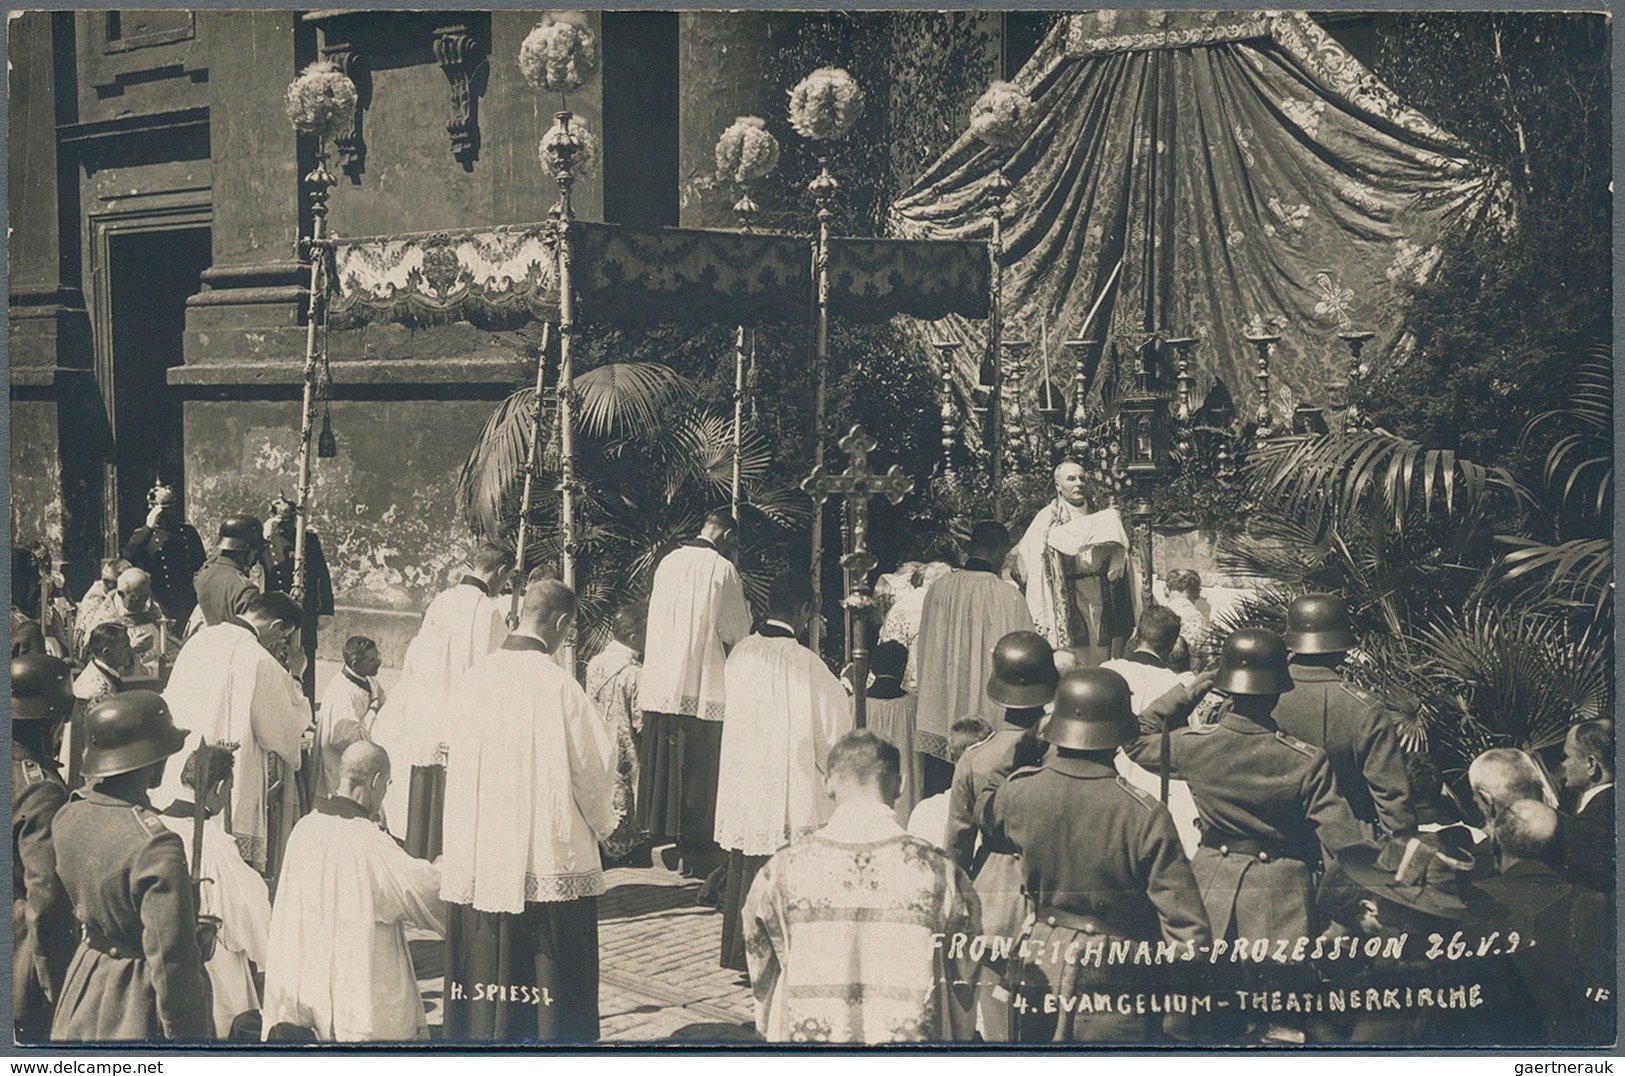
x: 1586, y: 842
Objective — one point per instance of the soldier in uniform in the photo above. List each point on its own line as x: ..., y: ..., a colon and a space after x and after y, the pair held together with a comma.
x: 1266, y: 802
x: 138, y: 973
x: 1350, y: 724
x: 1101, y: 861
x: 1023, y: 682
x: 318, y: 583
x: 223, y: 587
x: 42, y: 926
x: 170, y: 550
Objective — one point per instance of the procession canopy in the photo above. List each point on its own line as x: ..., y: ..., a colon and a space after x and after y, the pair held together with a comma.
x: 503, y: 277
x: 1241, y: 165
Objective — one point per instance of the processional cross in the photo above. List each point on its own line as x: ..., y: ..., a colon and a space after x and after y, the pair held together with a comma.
x: 858, y: 484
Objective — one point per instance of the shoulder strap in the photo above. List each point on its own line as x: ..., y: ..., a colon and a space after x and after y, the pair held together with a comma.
x: 1296, y: 744
x: 1139, y: 795
x: 149, y: 822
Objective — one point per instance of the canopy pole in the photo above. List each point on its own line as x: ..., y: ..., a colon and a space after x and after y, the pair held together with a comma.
x: 739, y: 411
x: 823, y: 189
x: 533, y: 463
x: 1000, y: 188
x: 318, y: 182
x: 567, y: 439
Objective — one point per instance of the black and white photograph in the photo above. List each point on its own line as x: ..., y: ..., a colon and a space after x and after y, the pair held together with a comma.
x: 990, y: 529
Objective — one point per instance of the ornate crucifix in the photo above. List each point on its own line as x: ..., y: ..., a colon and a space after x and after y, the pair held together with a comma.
x: 858, y: 484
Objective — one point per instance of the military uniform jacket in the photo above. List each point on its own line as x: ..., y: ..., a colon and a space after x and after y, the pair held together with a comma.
x: 1094, y: 845
x: 138, y: 975
x: 223, y: 590
x: 977, y: 775
x: 172, y: 556
x: 42, y: 927
x: 1354, y: 729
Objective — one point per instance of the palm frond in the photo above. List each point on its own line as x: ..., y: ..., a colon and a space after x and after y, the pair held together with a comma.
x: 1590, y: 405
x: 1577, y: 572
x: 630, y: 398
x: 496, y: 464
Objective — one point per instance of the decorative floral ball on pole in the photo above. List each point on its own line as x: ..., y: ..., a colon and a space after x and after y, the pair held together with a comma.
x: 560, y: 54
x: 826, y: 104
x: 321, y: 103
x: 1002, y: 116
x: 569, y: 149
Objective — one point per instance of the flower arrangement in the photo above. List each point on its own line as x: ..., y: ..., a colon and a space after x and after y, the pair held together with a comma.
x: 746, y: 150
x: 559, y: 54
x: 553, y: 154
x: 321, y: 101
x: 826, y: 104
x: 1002, y: 116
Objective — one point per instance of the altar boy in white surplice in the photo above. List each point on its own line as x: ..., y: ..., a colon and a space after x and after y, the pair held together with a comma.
x: 785, y: 711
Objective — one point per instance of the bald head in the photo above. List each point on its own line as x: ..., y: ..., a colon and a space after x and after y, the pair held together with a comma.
x: 1524, y: 829
x: 364, y: 774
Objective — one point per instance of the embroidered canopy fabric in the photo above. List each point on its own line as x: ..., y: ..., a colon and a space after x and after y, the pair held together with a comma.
x: 1241, y: 165
x: 502, y: 277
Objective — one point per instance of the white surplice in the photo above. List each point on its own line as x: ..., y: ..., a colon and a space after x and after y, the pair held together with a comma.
x: 1061, y: 535
x: 1147, y: 683
x: 339, y: 962
x: 237, y: 895
x: 696, y: 608
x: 785, y: 710
x: 347, y: 697
x: 226, y: 687
x: 461, y: 625
x: 530, y: 784
x: 965, y: 615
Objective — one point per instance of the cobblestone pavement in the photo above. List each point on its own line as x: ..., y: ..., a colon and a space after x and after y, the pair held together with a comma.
x: 659, y: 979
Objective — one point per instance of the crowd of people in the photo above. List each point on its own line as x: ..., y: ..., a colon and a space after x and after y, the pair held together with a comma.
x: 1070, y: 816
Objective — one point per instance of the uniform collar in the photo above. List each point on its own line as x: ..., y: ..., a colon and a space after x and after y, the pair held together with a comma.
x: 518, y: 641
x: 1145, y: 657
x: 341, y: 807
x: 1237, y: 723
x: 775, y: 629
x: 1312, y: 674
x: 1074, y: 766
x: 977, y: 564
x: 102, y: 799
x: 477, y: 583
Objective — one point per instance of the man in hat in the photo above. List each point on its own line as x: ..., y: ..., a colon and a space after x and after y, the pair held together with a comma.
x: 170, y: 550
x: 530, y: 787
x: 1347, y: 722
x: 462, y: 624
x: 1267, y: 801
x: 1101, y: 862
x: 234, y: 894
x: 277, y: 557
x: 697, y: 611
x: 339, y: 962
x: 138, y: 973
x: 222, y: 584
x: 1022, y: 681
x: 964, y: 615
x: 785, y: 708
x: 230, y: 686
x: 42, y: 924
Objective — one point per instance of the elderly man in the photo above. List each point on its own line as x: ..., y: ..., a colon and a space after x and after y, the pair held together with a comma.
x: 230, y: 686
x: 130, y: 605
x: 849, y: 931
x: 339, y: 964
x: 530, y: 787
x: 1074, y: 564
x: 89, y: 613
x: 1586, y: 837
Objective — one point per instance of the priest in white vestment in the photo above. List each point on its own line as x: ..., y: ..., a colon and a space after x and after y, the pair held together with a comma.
x: 339, y: 963
x: 851, y: 930
x: 530, y: 791
x: 230, y: 685
x: 1146, y: 670
x: 1074, y: 565
x: 462, y: 625
x: 232, y: 892
x: 345, y: 715
x: 965, y: 614
x: 785, y: 711
x: 697, y: 610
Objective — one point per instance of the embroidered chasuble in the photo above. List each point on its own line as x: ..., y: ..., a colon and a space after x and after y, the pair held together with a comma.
x: 965, y: 614
x: 339, y: 962
x: 1078, y: 576
x: 226, y: 687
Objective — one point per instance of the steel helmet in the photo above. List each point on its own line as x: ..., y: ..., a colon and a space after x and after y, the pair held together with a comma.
x: 1094, y: 711
x: 1253, y: 662
x: 41, y: 688
x: 129, y: 731
x: 1319, y: 624
x: 242, y: 532
x: 1024, y: 673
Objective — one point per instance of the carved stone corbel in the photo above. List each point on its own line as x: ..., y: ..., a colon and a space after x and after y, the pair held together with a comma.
x: 350, y: 146
x: 461, y: 54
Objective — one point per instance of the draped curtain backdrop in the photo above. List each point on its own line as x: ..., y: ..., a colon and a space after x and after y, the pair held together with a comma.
x: 1241, y: 164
